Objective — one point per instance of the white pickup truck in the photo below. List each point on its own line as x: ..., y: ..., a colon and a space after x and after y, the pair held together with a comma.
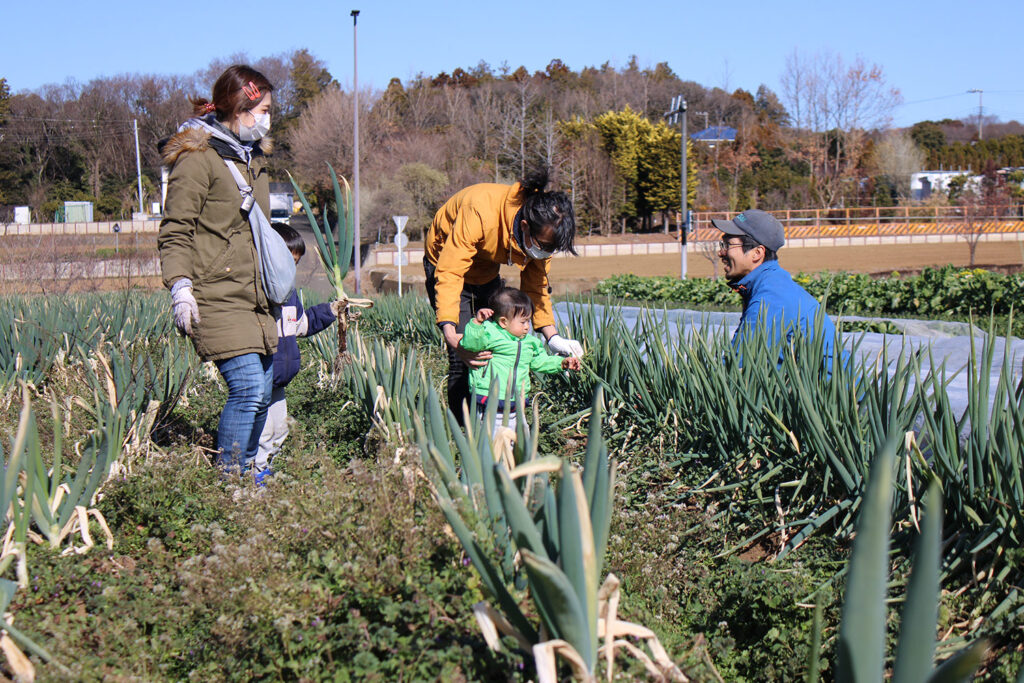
x: 280, y: 206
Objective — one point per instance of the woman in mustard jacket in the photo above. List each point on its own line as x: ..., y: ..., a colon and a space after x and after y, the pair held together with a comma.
x: 476, y: 231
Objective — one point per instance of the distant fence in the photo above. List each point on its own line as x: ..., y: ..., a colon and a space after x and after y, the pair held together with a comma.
x: 387, y: 256
x: 896, y: 221
x: 91, y: 228
x: 804, y: 227
x: 799, y: 223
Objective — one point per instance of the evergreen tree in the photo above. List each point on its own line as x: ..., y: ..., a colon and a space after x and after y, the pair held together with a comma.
x: 5, y: 100
x: 309, y: 78
x: 620, y: 133
x: 658, y: 172
x: 7, y: 175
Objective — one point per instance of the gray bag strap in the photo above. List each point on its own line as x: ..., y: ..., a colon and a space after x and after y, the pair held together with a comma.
x: 277, y: 265
x: 248, y: 199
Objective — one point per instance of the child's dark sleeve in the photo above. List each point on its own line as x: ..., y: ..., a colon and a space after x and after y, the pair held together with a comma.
x: 475, y: 337
x: 542, y: 360
x: 318, y: 318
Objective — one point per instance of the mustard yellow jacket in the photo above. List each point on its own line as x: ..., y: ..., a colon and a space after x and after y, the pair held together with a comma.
x: 471, y: 237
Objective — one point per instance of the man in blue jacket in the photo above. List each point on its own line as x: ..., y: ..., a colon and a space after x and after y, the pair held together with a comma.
x: 749, y: 250
x: 292, y: 322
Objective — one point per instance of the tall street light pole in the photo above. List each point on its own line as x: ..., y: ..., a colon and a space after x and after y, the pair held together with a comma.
x: 355, y: 136
x: 678, y: 112
x: 138, y: 164
x: 979, y: 91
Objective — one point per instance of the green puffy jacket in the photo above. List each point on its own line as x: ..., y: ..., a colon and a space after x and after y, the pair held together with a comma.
x: 511, y: 356
x: 205, y: 238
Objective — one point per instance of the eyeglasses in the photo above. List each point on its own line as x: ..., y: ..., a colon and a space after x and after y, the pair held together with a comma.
x: 724, y: 245
x: 540, y: 245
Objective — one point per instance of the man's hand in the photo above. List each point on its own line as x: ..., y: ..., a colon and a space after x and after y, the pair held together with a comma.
x: 476, y: 359
x: 186, y: 310
x: 473, y: 360
x: 482, y: 315
x: 571, y: 363
x: 564, y: 347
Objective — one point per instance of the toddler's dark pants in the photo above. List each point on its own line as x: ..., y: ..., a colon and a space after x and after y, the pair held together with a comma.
x: 474, y: 297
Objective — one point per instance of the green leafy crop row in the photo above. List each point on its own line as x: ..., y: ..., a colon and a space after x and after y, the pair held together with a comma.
x: 945, y: 291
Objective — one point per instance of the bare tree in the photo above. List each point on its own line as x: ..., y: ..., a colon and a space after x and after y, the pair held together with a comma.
x: 522, y: 132
x: 548, y: 133
x: 897, y: 157
x: 415, y: 190
x: 36, y: 141
x: 160, y: 103
x: 983, y: 199
x: 101, y: 124
x: 709, y: 250
x: 833, y: 104
x: 323, y: 133
x: 422, y: 101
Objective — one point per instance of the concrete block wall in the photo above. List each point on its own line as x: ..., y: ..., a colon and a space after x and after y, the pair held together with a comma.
x: 92, y: 228
x: 79, y: 270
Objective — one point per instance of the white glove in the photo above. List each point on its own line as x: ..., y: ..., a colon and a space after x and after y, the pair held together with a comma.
x: 565, y: 347
x: 186, y: 310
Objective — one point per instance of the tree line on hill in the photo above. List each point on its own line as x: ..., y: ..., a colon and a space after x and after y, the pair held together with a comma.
x: 824, y: 141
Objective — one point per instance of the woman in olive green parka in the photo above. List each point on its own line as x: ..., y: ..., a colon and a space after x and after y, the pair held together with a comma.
x: 208, y: 257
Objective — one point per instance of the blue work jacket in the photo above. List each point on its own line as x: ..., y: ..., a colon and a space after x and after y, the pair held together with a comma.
x: 771, y: 298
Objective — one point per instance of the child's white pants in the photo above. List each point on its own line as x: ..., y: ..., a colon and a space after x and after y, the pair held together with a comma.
x: 497, y: 420
x: 275, y: 431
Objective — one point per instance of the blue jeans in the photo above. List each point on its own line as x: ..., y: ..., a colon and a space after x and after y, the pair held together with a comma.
x: 250, y: 379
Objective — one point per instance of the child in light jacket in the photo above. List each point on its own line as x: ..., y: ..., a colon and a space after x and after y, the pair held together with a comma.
x: 292, y: 322
x: 504, y: 330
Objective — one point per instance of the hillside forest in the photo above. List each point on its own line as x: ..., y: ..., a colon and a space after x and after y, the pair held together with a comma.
x: 825, y: 140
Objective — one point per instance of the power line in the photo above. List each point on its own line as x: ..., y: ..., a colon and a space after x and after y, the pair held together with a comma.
x: 931, y: 99
x: 16, y: 117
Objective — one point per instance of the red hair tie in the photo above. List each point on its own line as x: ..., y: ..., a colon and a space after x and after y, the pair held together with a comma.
x: 252, y: 91
x: 209, y: 107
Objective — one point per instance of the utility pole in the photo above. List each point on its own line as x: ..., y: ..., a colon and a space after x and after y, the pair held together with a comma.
x: 705, y: 115
x: 678, y: 112
x: 138, y: 163
x: 979, y: 91
x: 355, y: 135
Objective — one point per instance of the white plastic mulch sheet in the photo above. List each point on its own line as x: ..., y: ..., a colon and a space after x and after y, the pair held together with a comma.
x: 950, y: 342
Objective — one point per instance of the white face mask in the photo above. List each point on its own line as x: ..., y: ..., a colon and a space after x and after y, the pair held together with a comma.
x: 257, y: 131
x: 534, y: 251
x: 537, y: 253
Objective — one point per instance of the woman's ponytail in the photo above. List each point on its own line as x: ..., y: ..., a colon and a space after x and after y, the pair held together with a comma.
x: 201, y: 106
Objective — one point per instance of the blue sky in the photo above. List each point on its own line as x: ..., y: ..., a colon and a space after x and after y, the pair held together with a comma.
x: 932, y: 51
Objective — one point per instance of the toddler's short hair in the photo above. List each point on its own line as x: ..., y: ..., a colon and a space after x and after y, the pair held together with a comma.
x: 291, y: 237
x: 509, y: 302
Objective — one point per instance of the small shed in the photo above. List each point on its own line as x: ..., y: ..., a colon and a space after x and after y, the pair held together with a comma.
x: 923, y: 183
x: 74, y: 212
x: 714, y: 135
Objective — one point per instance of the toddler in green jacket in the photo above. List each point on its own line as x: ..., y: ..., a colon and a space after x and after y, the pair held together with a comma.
x: 504, y: 330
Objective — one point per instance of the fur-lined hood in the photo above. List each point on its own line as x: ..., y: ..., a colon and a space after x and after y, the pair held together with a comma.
x: 198, y: 140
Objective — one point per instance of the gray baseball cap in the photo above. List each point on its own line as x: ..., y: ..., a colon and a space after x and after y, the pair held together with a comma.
x: 760, y: 226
